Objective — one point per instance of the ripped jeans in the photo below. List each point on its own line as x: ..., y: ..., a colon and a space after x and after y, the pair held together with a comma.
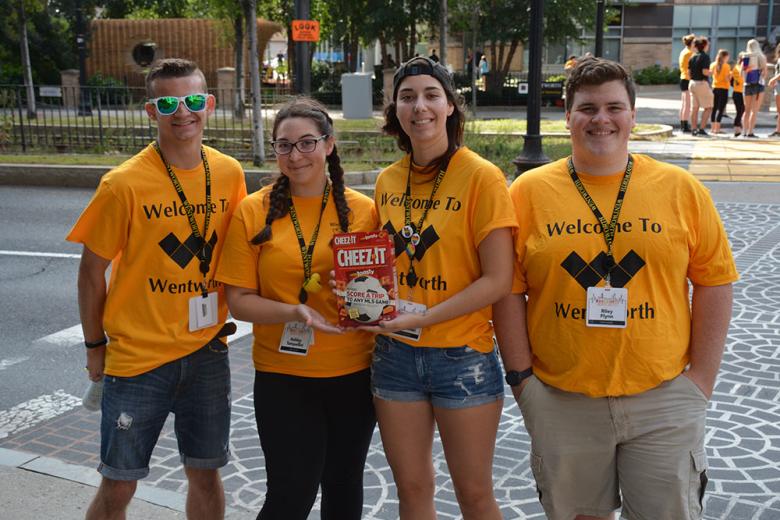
x: 196, y: 388
x: 450, y: 377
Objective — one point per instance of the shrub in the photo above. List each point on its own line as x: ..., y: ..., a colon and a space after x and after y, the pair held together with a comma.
x: 656, y: 75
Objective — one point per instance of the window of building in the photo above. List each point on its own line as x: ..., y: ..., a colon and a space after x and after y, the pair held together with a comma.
x: 143, y: 53
x: 727, y: 26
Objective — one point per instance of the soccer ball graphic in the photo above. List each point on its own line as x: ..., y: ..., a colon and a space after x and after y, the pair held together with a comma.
x: 365, y: 298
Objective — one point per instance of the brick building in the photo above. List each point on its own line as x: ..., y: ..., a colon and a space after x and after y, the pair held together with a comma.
x: 124, y: 49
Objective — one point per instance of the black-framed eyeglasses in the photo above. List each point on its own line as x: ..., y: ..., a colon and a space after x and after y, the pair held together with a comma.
x: 168, y: 105
x: 306, y: 145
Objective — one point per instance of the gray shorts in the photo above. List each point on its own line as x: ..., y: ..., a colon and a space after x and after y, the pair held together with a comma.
x: 587, y: 452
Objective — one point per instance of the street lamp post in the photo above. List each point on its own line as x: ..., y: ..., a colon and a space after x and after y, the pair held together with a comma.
x: 302, y: 60
x: 532, y: 154
x: 599, y: 28
x: 85, y: 106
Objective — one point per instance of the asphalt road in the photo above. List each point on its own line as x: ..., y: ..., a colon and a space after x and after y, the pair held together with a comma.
x: 38, y: 293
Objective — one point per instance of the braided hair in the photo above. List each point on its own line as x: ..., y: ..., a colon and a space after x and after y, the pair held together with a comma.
x: 279, y: 197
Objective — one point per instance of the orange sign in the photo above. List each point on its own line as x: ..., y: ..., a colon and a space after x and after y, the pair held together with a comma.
x: 305, y: 31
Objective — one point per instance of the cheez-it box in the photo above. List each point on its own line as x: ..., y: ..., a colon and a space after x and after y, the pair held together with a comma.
x: 366, y: 286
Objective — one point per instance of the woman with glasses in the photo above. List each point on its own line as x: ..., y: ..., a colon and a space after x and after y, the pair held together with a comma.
x: 311, y: 394
x: 435, y: 365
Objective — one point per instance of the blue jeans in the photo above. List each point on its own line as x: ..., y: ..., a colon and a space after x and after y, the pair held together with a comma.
x: 450, y: 377
x: 196, y: 388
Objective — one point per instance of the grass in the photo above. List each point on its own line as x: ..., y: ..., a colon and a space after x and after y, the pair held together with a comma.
x: 223, y: 120
x: 110, y: 159
x: 519, y: 126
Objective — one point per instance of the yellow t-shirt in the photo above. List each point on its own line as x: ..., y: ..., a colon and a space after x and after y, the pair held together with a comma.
x: 275, y: 270
x: 669, y: 233
x: 685, y: 56
x: 739, y: 81
x: 720, y: 80
x: 137, y: 219
x: 471, y: 201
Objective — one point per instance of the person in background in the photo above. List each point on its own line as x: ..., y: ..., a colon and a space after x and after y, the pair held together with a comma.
x: 774, y: 84
x: 699, y: 86
x: 720, y: 72
x: 754, y: 70
x: 312, y: 396
x: 738, y: 87
x: 685, y: 76
x: 390, y: 62
x: 570, y: 64
x: 483, y: 71
x: 434, y: 56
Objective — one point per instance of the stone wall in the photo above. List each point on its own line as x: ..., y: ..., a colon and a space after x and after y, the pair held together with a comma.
x: 639, y: 53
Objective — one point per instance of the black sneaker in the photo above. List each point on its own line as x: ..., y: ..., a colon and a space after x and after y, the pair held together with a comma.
x: 752, y: 136
x: 737, y: 134
x: 702, y: 133
x: 695, y: 132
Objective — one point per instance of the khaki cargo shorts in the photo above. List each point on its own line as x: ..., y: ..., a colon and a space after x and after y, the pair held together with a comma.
x: 702, y: 93
x: 588, y: 452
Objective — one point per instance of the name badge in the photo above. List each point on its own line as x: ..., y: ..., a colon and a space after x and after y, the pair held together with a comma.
x: 607, y: 307
x: 407, y: 307
x: 296, y: 338
x: 203, y: 311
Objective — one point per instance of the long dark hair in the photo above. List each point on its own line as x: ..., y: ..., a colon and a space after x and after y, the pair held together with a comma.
x: 454, y: 125
x: 279, y: 197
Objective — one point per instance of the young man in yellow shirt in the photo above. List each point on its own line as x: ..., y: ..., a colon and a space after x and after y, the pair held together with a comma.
x: 610, y: 365
x: 153, y: 335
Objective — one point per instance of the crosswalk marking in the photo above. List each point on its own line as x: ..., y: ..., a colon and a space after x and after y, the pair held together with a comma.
x: 5, y: 363
x: 63, y: 338
x: 74, y: 336
x: 38, y: 253
x: 34, y: 411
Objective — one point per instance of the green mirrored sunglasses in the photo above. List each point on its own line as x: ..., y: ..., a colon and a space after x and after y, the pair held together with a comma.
x: 167, y: 105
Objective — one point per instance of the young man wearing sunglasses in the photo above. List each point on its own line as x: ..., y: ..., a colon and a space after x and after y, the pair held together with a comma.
x: 154, y: 335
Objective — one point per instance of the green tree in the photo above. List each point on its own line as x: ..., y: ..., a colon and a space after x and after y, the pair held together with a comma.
x: 503, y: 25
x: 46, y: 30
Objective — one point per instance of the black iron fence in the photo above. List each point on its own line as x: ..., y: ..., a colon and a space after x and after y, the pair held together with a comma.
x: 97, y: 119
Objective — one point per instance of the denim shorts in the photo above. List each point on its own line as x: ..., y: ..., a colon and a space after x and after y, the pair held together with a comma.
x: 196, y: 388
x: 453, y: 377
x: 753, y: 89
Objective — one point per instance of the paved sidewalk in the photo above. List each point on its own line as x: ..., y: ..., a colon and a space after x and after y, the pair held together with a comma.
x: 743, y: 428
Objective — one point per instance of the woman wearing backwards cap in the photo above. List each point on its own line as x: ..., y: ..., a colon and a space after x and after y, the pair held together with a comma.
x: 435, y: 365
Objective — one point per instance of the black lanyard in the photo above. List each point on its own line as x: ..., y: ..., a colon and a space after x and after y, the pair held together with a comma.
x: 204, y: 254
x: 607, y: 228
x: 410, y: 232
x: 307, y: 252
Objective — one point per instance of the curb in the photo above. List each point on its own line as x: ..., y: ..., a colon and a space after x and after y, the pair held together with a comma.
x: 87, y: 176
x: 59, y: 469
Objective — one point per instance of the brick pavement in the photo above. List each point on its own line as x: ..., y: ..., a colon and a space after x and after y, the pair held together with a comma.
x: 743, y: 435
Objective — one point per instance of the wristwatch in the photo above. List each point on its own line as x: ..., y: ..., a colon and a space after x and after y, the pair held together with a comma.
x: 514, y: 378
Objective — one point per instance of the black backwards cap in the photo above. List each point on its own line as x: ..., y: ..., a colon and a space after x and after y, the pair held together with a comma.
x: 422, y: 66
